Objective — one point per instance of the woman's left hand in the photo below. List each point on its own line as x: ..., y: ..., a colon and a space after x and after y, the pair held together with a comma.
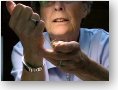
x: 67, y: 56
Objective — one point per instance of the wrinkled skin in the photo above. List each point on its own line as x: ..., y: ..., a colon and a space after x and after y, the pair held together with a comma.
x: 67, y: 51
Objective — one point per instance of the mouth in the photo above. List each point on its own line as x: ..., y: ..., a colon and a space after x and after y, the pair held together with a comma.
x: 60, y: 20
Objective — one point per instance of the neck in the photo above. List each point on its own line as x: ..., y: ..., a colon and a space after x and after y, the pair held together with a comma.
x: 67, y: 38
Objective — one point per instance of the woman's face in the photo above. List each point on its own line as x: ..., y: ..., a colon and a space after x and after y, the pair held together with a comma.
x: 63, y: 17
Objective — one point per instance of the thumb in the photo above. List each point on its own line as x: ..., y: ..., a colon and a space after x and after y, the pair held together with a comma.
x: 66, y: 47
x: 10, y: 6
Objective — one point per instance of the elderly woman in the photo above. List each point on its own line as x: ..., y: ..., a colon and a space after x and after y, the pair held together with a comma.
x: 65, y: 52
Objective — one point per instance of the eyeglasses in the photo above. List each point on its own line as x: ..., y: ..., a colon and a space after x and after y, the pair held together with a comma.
x: 49, y: 3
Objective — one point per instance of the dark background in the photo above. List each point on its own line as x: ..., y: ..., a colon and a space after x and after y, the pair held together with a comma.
x: 98, y: 18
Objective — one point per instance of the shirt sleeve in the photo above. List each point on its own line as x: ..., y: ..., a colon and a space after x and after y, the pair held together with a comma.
x: 16, y: 57
x: 104, y: 56
x: 99, y: 49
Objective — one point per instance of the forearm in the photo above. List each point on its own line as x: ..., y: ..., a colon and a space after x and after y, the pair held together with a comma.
x: 97, y: 72
x: 33, y: 76
x: 34, y: 60
x: 91, y: 70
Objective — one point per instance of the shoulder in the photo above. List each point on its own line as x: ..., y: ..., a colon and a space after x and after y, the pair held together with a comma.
x: 96, y: 41
x: 94, y: 33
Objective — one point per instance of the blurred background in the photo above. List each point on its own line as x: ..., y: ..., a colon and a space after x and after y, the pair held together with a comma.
x: 98, y: 18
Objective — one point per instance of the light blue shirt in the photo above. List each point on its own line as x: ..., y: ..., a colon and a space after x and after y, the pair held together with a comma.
x: 93, y: 42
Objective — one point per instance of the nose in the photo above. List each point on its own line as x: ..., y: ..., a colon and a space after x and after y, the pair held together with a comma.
x: 58, y: 6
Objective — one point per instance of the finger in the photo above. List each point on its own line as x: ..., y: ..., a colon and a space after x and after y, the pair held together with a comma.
x: 66, y: 47
x: 64, y: 65
x: 29, y: 25
x: 10, y: 6
x: 21, y: 22
x: 67, y: 65
x: 53, y: 61
x: 26, y: 14
x: 40, y: 26
x: 36, y: 17
x: 58, y: 56
x: 16, y: 15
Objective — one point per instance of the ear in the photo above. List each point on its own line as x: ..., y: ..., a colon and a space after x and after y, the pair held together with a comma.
x: 85, y: 10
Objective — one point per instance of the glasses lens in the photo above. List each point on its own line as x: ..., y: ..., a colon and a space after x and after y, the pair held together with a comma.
x: 48, y: 3
x: 43, y: 3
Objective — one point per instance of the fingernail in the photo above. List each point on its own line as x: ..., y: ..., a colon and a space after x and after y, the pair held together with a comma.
x: 8, y: 3
x: 42, y: 21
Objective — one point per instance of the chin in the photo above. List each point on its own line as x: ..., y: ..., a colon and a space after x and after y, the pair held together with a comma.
x: 61, y: 31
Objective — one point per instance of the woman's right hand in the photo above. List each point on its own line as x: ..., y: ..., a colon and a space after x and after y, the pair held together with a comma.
x: 28, y: 32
